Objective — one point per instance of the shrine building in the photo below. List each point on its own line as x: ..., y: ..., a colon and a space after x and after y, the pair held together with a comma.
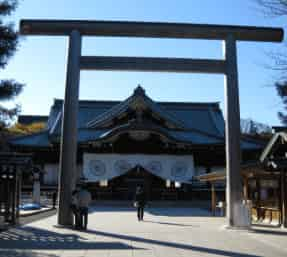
x: 121, y: 144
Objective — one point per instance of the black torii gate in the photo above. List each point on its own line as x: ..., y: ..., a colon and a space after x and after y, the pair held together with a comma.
x: 75, y: 29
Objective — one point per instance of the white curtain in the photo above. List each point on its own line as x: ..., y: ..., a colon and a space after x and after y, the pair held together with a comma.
x: 107, y: 166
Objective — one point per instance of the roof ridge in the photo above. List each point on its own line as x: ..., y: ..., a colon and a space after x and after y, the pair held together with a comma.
x: 60, y: 101
x: 29, y: 135
x: 138, y: 95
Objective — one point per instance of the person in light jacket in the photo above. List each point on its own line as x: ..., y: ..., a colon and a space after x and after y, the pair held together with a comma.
x: 84, y: 199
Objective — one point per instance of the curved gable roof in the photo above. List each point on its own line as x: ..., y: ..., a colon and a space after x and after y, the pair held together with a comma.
x: 139, y: 100
x: 280, y: 137
x: 202, y: 117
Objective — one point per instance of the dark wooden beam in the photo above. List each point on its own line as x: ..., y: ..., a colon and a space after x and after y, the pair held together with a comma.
x: 283, y: 199
x: 149, y: 29
x: 213, y: 199
x: 152, y: 64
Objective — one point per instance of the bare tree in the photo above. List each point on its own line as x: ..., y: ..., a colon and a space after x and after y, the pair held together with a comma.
x: 273, y: 8
x: 278, y: 8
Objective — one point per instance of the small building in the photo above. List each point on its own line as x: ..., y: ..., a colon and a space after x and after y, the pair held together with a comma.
x: 264, y: 182
x: 138, y: 141
x: 274, y: 158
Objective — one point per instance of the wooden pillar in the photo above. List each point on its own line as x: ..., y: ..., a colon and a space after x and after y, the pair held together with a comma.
x: 14, y: 198
x: 68, y: 150
x: 232, y: 134
x: 147, y: 184
x: 258, y: 202
x: 245, y: 188
x: 213, y: 199
x: 36, y: 195
x: 283, y: 199
x: 18, y: 193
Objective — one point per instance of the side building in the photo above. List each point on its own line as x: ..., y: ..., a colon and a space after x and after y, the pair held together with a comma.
x: 138, y: 141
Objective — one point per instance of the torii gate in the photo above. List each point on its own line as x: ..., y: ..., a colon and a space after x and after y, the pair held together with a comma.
x: 75, y: 29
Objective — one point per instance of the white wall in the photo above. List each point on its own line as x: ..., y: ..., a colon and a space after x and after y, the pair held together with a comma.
x: 99, y: 167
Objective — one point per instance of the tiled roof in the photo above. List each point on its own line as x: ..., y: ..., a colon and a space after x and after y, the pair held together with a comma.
x: 194, y: 123
x: 280, y: 137
x: 88, y: 135
x: 29, y: 119
x: 138, y: 98
x: 35, y: 140
x: 205, y: 117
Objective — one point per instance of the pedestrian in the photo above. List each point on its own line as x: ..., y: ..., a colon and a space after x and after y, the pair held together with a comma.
x: 140, y: 202
x: 75, y: 209
x: 54, y: 199
x: 84, y: 199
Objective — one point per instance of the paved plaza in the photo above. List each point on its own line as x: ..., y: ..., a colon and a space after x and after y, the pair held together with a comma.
x: 115, y: 231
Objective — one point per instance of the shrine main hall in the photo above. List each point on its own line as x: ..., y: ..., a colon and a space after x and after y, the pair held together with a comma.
x: 138, y: 141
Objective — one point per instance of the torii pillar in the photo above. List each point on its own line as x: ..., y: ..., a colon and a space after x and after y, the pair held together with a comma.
x: 69, y: 140
x: 234, y: 187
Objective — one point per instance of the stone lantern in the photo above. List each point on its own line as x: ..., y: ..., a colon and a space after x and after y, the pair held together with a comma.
x: 36, y: 186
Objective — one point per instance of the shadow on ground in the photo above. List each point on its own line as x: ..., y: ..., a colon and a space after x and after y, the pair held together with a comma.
x: 17, y: 253
x: 168, y: 223
x: 111, y: 209
x: 270, y: 232
x: 158, y: 211
x: 30, y: 238
x: 179, y: 212
x: 198, y: 249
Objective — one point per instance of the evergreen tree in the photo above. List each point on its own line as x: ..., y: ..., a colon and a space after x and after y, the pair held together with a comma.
x: 9, y: 88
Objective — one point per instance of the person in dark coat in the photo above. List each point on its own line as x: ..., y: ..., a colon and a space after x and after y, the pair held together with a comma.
x: 54, y: 199
x: 75, y: 209
x: 140, y: 202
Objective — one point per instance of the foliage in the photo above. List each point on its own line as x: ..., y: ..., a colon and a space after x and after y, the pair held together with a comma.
x: 275, y: 8
x: 9, y: 88
x: 281, y: 88
x: 7, y: 6
x: 22, y: 129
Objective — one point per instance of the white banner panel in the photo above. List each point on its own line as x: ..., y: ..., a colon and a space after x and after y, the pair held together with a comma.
x: 107, y: 166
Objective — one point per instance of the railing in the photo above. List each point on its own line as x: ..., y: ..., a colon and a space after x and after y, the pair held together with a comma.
x: 46, y: 198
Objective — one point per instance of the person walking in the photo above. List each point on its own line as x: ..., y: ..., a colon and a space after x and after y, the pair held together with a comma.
x: 84, y: 199
x: 140, y: 202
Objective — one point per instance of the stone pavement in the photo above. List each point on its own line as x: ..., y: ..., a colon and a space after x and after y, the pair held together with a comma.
x: 115, y: 231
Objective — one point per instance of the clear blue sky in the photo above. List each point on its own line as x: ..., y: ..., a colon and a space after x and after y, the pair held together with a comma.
x: 41, y: 61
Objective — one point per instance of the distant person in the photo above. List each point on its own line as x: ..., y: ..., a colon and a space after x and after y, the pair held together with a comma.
x: 75, y: 209
x: 140, y: 202
x: 54, y: 199
x: 84, y: 199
